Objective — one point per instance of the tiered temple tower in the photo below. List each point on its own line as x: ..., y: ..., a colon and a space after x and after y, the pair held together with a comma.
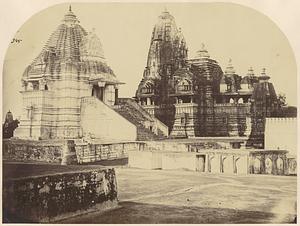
x: 167, y: 53
x: 70, y: 66
x: 264, y: 105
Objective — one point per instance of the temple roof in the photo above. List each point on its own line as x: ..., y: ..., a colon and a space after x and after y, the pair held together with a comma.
x: 202, y: 53
x: 91, y: 48
x: 208, y: 67
x: 261, y: 90
x: 263, y: 76
x: 223, y: 80
x: 70, y: 43
x: 167, y: 47
x: 70, y: 18
x: 183, y: 73
x: 230, y: 69
x: 165, y: 28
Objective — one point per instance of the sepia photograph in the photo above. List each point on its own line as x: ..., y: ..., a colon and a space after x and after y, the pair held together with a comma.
x: 149, y: 112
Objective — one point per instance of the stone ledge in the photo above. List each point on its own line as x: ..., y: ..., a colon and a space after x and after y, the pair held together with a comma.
x: 55, y: 196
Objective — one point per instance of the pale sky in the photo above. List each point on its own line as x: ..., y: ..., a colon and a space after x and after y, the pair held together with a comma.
x: 228, y: 31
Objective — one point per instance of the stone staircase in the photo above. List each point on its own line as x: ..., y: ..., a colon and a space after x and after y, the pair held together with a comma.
x: 135, y: 114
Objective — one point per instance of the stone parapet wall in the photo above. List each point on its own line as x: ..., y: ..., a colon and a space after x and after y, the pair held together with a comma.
x: 51, y: 151
x: 50, y: 198
x: 87, y: 153
x: 292, y: 165
x: 164, y: 146
x: 268, y: 162
x: 26, y: 150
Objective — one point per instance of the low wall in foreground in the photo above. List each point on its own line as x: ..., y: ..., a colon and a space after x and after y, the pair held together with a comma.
x: 50, y: 198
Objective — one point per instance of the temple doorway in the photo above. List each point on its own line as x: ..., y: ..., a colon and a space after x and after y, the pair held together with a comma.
x: 98, y: 92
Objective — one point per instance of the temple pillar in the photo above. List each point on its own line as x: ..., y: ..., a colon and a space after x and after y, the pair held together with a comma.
x: 206, y: 169
x: 116, y: 95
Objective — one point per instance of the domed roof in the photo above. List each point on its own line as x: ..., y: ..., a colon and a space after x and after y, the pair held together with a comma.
x: 64, y: 42
x: 229, y: 69
x: 202, y: 53
x: 263, y: 76
x: 70, y: 43
x: 91, y: 48
x: 183, y: 73
x: 245, y: 80
x: 70, y: 18
x: 250, y: 75
x: 223, y: 79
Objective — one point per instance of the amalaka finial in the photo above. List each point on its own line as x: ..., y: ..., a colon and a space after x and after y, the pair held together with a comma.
x: 230, y: 61
x: 250, y: 72
x: 202, y: 46
x: 263, y: 71
x: 165, y: 9
x: 70, y: 8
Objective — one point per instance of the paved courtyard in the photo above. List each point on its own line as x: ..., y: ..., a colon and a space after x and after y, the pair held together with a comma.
x: 160, y: 196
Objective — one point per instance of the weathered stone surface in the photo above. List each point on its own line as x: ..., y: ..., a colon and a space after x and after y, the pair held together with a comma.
x: 53, y: 151
x: 22, y: 150
x: 69, y: 156
x: 52, y: 197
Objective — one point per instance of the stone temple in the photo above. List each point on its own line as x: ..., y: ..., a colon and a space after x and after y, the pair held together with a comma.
x: 194, y: 97
x: 69, y: 88
x: 70, y: 92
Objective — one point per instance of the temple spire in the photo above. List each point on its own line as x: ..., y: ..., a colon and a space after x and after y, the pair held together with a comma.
x: 250, y: 72
x: 230, y: 69
x: 202, y: 53
x: 70, y: 18
x: 263, y: 77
